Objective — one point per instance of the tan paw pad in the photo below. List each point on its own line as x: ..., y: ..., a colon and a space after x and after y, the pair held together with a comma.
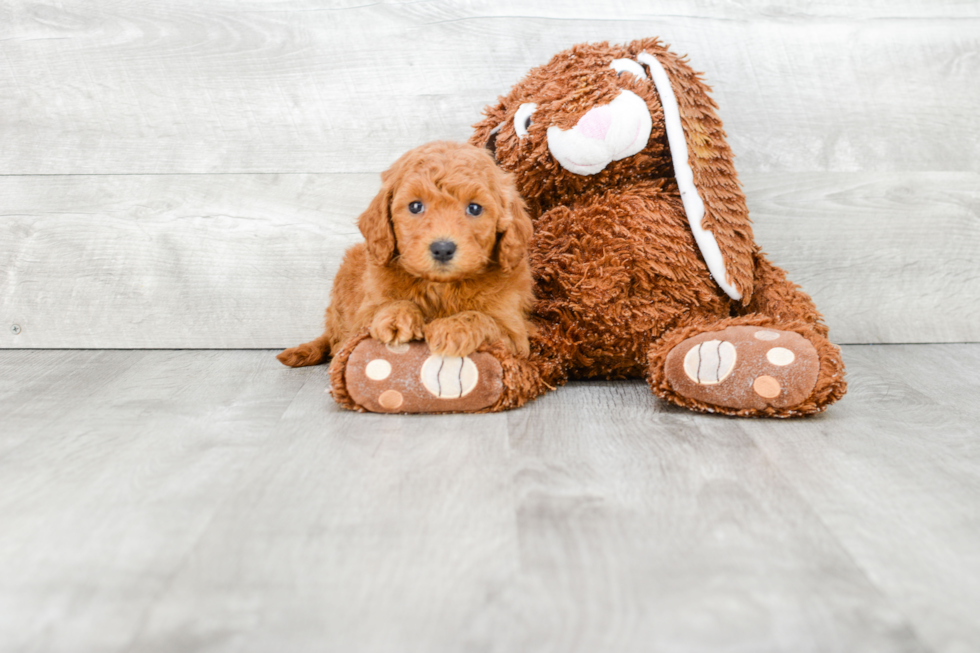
x: 780, y: 356
x: 744, y: 368
x: 378, y: 369
x: 449, y: 377
x: 710, y: 362
x: 766, y: 386
x: 391, y: 399
x: 408, y: 378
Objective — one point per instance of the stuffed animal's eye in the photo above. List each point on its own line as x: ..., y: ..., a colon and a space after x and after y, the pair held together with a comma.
x: 474, y: 209
x: 416, y: 207
x: 628, y: 66
x: 522, y: 119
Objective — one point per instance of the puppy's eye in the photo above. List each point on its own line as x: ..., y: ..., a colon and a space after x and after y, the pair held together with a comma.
x: 416, y: 207
x: 474, y: 209
x: 522, y: 119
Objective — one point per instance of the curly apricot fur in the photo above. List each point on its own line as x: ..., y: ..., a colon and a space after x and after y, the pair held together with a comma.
x: 393, y: 286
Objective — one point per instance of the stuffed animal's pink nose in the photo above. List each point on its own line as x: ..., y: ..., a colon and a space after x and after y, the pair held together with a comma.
x: 596, y: 122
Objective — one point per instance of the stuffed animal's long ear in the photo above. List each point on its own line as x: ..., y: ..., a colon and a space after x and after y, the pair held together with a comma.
x: 710, y: 190
x: 513, y: 232
x: 375, y: 224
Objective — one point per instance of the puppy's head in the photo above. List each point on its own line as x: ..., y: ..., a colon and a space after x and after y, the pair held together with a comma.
x: 446, y: 212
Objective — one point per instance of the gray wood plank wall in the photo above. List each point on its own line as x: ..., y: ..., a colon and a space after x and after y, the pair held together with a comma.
x: 187, y: 174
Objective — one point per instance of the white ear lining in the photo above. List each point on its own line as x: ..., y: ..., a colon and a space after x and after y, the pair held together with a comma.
x: 693, y: 204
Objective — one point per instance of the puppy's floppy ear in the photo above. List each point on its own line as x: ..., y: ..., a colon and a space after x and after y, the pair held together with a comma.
x: 514, y: 231
x: 375, y: 224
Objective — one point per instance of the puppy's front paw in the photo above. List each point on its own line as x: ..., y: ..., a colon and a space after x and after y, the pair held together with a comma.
x: 398, y: 323
x: 450, y: 337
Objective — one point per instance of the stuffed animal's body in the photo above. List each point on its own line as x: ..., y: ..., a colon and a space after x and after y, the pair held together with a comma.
x: 643, y: 254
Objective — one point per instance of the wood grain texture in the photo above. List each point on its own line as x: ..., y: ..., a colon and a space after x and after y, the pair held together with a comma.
x: 213, y: 261
x: 114, y: 491
x: 38, y: 388
x: 355, y: 533
x: 182, y: 501
x: 902, y: 477
x: 854, y: 127
x: 888, y: 258
x: 173, y: 260
x: 646, y: 528
x: 227, y: 86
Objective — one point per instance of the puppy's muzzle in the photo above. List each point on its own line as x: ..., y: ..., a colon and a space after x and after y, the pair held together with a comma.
x: 443, y: 250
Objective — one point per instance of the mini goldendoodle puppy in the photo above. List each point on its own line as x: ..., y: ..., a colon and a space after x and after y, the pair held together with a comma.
x: 444, y: 259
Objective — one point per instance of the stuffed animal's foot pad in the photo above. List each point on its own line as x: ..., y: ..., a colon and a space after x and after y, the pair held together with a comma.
x: 744, y: 367
x: 408, y: 378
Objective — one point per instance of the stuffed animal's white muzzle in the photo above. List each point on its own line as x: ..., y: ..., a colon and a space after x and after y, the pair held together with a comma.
x: 605, y: 134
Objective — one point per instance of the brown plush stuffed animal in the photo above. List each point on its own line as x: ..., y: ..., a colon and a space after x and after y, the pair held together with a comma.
x: 643, y: 254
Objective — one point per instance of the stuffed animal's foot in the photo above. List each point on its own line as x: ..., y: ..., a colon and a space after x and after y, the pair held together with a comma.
x: 745, y: 368
x: 408, y: 378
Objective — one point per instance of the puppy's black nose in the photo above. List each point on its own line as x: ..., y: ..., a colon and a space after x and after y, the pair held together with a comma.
x: 442, y: 250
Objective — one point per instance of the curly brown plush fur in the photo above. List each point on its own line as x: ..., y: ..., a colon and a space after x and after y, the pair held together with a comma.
x: 624, y: 285
x: 619, y: 277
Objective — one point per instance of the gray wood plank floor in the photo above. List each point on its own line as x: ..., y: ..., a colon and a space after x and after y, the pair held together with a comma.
x: 216, y: 501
